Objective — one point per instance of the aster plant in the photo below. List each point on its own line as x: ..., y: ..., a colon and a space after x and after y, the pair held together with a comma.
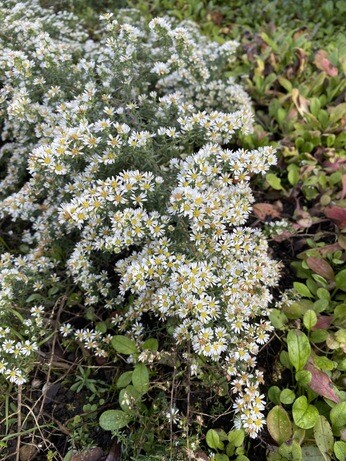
x: 118, y: 150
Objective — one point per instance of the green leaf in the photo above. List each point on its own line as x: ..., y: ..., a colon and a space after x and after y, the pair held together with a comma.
x: 129, y: 398
x: 151, y: 344
x: 299, y: 348
x: 221, y: 457
x: 340, y: 450
x: 140, y: 378
x: 279, y: 424
x: 319, y: 336
x: 124, y: 379
x: 338, y: 417
x: 113, y: 420
x: 302, y: 289
x: 274, y: 181
x: 236, y: 437
x: 303, y: 377
x: 309, y: 319
x: 277, y: 318
x: 290, y: 451
x: 324, y: 437
x: 274, y: 394
x: 311, y: 453
x: 124, y: 345
x: 213, y: 440
x: 287, y: 397
x: 304, y: 414
x: 293, y: 174
x: 340, y: 280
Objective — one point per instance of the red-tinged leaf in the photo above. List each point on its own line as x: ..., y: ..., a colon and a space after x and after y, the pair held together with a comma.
x: 335, y: 165
x: 322, y: 62
x: 263, y: 210
x: 323, y: 322
x: 321, y: 383
x: 320, y: 267
x: 336, y: 214
x: 328, y: 249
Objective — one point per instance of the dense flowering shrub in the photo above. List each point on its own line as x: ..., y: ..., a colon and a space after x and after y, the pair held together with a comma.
x: 117, y: 150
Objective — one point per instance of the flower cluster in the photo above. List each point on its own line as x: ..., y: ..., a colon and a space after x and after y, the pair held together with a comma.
x: 117, y: 149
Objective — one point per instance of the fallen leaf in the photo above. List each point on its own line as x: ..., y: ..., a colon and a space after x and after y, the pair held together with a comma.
x: 262, y: 210
x: 27, y: 452
x: 320, y: 267
x: 336, y: 214
x: 323, y: 63
x: 321, y: 383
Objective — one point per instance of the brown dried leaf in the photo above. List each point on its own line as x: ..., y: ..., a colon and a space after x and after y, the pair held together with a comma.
x: 301, y: 103
x: 321, y: 383
x: 323, y: 63
x: 336, y: 214
x: 27, y: 452
x: 320, y: 267
x: 262, y: 210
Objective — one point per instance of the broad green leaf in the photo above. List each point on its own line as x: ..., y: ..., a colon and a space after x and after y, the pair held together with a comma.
x: 278, y: 319
x: 151, y: 344
x: 274, y: 394
x: 287, y: 397
x: 236, y: 437
x: 340, y: 280
x: 290, y: 451
x: 338, y: 417
x: 340, y: 450
x: 303, y: 377
x: 293, y: 174
x: 274, y: 181
x: 299, y: 348
x: 124, y: 379
x: 310, y: 319
x: 279, y: 424
x: 124, y: 345
x: 112, y: 420
x: 140, y: 378
x: 302, y: 289
x: 324, y: 437
x: 213, y: 440
x: 221, y: 457
x: 304, y: 414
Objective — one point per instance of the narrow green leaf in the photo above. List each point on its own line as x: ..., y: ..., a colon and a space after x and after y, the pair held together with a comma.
x: 309, y: 319
x: 299, y: 348
x: 140, y: 378
x: 324, y: 437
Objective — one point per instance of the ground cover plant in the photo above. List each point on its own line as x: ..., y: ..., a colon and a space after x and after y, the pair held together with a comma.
x: 135, y: 280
